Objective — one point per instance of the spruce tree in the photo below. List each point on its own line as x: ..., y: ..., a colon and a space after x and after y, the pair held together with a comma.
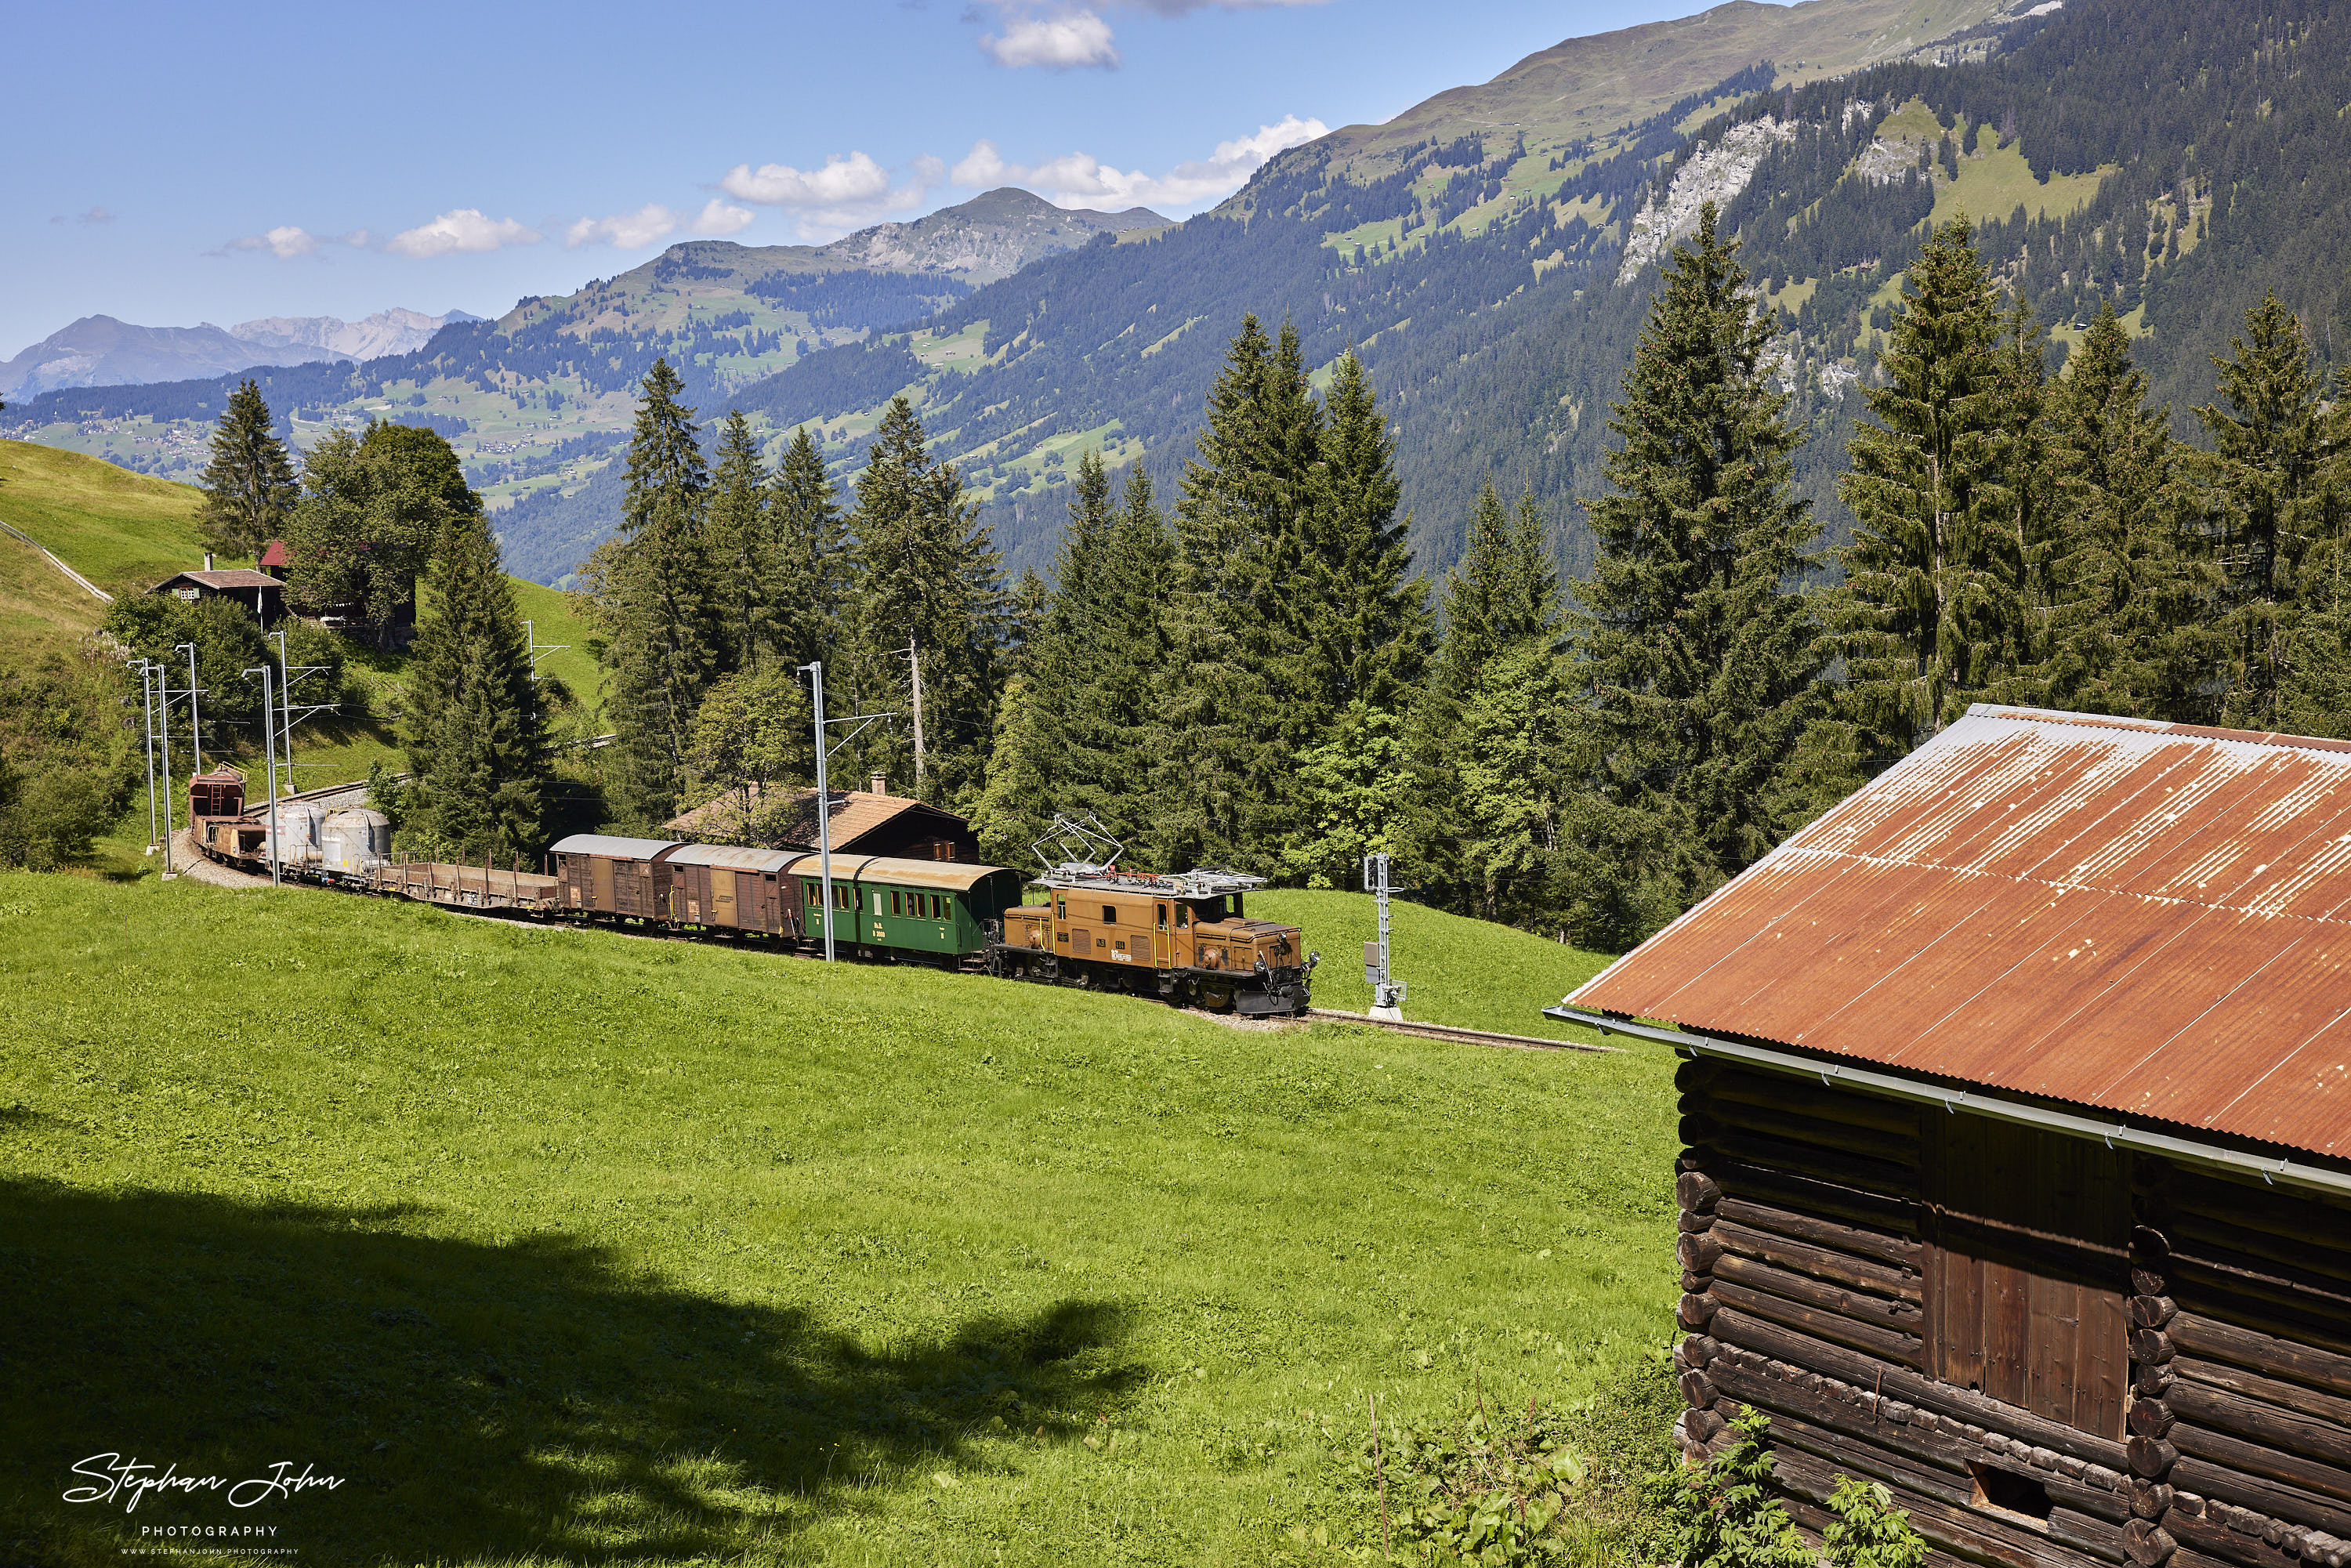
x: 1477, y: 801
x: 2024, y: 498
x: 928, y: 572
x: 747, y: 568
x: 1700, y: 658
x: 2127, y: 638
x: 812, y: 579
x: 652, y: 588
x: 1235, y: 682
x: 2268, y: 492
x: 1367, y: 621
x: 1138, y: 572
x: 249, y: 487
x: 474, y: 727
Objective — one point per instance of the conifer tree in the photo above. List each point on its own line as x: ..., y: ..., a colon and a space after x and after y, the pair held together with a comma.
x: 813, y: 556
x: 652, y: 588
x: 2023, y: 496
x: 1138, y: 569
x: 474, y: 728
x: 1501, y: 591
x: 2268, y: 492
x: 2128, y: 591
x: 749, y: 592
x: 1224, y: 726
x: 249, y: 487
x: 1931, y: 615
x: 1483, y: 805
x: 1367, y: 616
x: 928, y: 572
x: 1700, y: 659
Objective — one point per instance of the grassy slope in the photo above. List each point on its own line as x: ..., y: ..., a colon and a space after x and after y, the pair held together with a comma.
x: 125, y: 530
x: 566, y: 1245
x: 1458, y: 971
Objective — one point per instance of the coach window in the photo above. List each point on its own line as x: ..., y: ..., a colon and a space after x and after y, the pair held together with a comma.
x: 893, y: 900
x: 812, y: 896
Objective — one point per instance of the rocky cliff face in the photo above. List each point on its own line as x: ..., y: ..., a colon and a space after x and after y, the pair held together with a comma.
x: 1715, y: 174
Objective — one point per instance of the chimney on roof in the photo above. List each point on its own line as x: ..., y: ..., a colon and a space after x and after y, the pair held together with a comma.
x: 881, y: 784
x: 208, y: 561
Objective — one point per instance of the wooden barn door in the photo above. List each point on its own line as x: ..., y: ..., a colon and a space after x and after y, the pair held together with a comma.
x: 2027, y: 1284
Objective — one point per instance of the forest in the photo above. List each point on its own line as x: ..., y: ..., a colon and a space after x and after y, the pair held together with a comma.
x: 1251, y: 669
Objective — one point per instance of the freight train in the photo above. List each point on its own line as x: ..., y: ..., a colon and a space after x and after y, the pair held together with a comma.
x: 1185, y: 938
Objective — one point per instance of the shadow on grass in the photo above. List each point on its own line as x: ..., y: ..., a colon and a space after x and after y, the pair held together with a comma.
x: 530, y: 1398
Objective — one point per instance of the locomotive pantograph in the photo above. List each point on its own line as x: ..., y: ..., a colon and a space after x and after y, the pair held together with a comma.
x: 1184, y: 936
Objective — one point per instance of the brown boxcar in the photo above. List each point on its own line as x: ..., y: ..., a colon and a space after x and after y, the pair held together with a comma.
x: 730, y: 889
x: 622, y: 878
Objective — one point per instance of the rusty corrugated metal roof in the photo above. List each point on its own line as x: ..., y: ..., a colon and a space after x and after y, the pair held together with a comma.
x: 855, y: 813
x: 2151, y: 919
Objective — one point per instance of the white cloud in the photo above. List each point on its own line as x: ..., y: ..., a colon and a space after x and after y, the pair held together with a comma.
x: 850, y: 191
x: 95, y: 217
x: 1082, y: 179
x: 652, y: 222
x: 464, y: 230
x: 623, y: 231
x: 1059, y: 40
x: 719, y: 220
x: 1186, y: 7
x: 842, y: 181
x: 289, y: 241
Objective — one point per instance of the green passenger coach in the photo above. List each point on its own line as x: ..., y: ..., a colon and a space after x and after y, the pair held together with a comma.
x: 935, y: 908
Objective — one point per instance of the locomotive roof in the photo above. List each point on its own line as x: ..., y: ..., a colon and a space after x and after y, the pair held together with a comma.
x: 1199, y: 884
x: 612, y: 848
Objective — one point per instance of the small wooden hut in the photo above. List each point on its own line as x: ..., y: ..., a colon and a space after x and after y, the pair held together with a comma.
x: 2016, y: 1114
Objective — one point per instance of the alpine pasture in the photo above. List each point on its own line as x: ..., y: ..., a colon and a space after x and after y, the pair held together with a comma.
x: 561, y: 1245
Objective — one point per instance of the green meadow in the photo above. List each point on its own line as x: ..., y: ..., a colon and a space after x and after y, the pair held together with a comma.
x: 561, y: 1246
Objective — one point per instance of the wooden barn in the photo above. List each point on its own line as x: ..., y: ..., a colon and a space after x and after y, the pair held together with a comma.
x: 2017, y: 1107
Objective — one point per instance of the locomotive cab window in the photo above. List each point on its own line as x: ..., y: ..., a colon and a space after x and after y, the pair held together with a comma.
x: 1183, y: 917
x: 1163, y: 917
x: 1109, y: 915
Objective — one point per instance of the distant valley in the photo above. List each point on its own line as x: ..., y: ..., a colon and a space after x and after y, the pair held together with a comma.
x: 1489, y: 255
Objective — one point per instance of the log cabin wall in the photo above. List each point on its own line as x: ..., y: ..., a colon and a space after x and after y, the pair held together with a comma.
x: 2242, y: 1421
x: 1820, y: 1286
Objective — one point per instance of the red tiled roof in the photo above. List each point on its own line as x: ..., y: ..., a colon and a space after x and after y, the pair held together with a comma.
x: 273, y: 554
x: 2151, y: 919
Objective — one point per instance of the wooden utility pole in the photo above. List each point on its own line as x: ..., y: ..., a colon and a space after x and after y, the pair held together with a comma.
x: 914, y: 664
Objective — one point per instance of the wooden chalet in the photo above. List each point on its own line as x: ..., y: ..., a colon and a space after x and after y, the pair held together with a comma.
x: 863, y: 823
x: 257, y: 591
x: 2017, y: 1117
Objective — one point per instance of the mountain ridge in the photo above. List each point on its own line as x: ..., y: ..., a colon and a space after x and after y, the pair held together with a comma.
x: 103, y: 350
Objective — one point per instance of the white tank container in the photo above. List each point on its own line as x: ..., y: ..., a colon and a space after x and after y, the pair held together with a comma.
x: 296, y: 828
x: 353, y: 841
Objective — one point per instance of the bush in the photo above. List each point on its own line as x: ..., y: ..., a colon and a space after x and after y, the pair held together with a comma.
x: 51, y: 818
x: 1723, y: 1515
x: 1870, y: 1532
x: 1569, y: 1485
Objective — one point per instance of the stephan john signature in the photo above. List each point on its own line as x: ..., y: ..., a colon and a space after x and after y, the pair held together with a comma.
x: 120, y: 1477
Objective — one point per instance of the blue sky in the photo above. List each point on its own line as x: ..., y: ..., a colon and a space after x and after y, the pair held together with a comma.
x: 177, y: 163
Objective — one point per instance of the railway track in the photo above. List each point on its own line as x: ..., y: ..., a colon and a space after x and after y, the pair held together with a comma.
x: 1460, y: 1036
x: 330, y: 794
